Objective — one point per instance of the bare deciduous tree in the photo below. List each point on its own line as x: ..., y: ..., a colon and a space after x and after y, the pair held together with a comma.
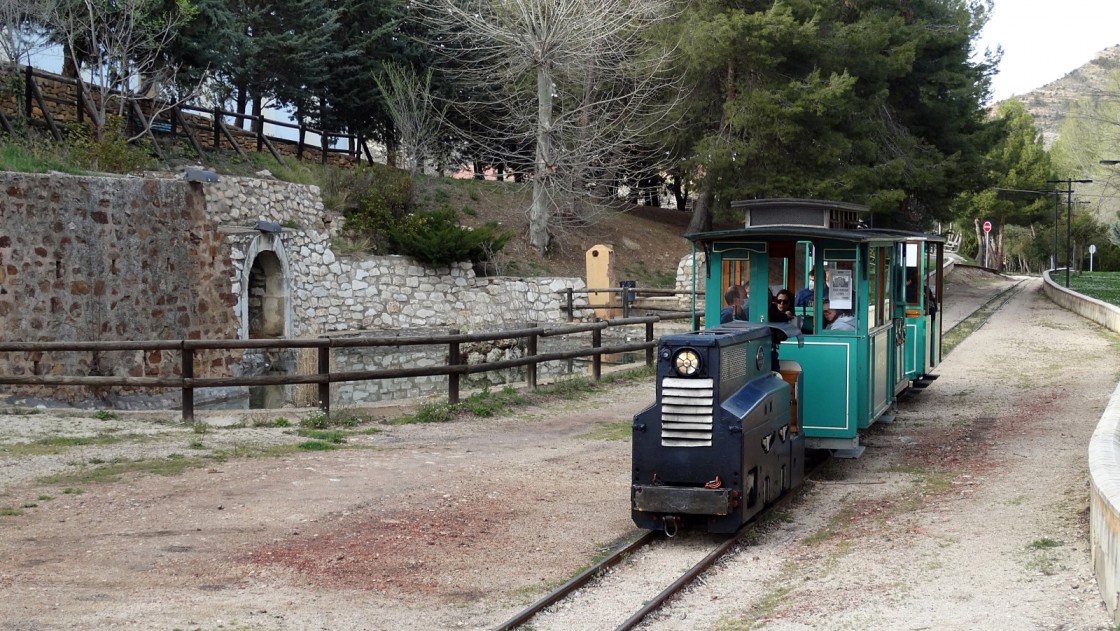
x: 23, y: 31
x: 118, y: 46
x: 417, y: 118
x: 580, y: 85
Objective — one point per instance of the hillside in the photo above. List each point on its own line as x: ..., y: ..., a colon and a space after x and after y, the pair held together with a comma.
x: 648, y: 241
x: 1049, y: 105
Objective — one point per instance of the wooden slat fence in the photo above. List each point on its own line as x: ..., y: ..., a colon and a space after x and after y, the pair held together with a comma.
x: 50, y: 100
x: 323, y: 376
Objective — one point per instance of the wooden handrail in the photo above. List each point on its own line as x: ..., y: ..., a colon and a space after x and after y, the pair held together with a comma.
x: 323, y: 376
x: 84, y: 98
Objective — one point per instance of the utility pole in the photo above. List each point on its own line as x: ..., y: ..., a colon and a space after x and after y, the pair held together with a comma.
x: 1069, y: 182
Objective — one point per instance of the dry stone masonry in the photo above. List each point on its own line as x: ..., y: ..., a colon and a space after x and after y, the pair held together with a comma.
x: 129, y: 258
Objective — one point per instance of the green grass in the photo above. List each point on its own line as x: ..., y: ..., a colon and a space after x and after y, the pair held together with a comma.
x: 610, y: 431
x: 1044, y: 543
x: 316, y: 445
x: 7, y: 511
x: 14, y: 156
x: 329, y: 436
x: 61, y: 444
x: 504, y: 401
x: 1104, y: 286
x: 103, y: 415
x: 97, y: 471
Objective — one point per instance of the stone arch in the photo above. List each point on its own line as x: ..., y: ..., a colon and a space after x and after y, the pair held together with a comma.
x: 266, y: 309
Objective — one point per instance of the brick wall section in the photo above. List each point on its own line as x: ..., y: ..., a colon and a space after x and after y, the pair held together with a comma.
x: 96, y: 258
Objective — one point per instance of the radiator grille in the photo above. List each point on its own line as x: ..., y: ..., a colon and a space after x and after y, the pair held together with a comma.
x: 686, y: 412
x: 733, y: 363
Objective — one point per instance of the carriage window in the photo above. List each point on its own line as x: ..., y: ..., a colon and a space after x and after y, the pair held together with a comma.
x: 839, y: 296
x: 736, y: 272
x: 878, y: 292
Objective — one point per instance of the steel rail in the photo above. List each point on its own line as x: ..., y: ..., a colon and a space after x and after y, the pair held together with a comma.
x: 812, y: 466
x: 579, y: 581
x: 724, y: 548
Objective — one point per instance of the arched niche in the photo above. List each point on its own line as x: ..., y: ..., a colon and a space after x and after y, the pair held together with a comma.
x: 266, y: 310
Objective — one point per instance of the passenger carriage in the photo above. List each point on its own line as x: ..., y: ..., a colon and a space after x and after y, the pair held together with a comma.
x: 739, y: 403
x: 889, y: 281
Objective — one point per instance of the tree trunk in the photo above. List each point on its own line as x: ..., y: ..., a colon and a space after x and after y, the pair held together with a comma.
x: 69, y: 62
x: 979, y: 241
x: 538, y: 213
x: 701, y: 213
x: 242, y: 104
x: 679, y: 194
x: 999, y: 247
x: 258, y: 110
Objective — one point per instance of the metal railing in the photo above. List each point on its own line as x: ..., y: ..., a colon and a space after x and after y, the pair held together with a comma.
x: 323, y: 377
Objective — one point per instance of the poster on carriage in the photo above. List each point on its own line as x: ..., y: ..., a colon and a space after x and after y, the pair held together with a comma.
x: 840, y: 289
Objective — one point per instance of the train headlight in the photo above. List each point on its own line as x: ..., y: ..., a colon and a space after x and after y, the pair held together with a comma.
x: 686, y: 362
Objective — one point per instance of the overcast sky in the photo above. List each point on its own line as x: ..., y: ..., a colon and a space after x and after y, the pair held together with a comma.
x: 1045, y: 39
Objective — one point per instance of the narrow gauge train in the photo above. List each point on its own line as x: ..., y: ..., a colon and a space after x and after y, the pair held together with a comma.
x: 739, y: 403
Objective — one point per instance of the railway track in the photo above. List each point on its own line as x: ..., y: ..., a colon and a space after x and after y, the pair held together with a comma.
x: 723, y: 548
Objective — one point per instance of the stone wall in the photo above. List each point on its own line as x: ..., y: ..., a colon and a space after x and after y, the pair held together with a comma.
x: 92, y: 258
x: 100, y: 259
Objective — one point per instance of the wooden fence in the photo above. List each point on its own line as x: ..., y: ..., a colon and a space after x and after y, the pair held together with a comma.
x: 628, y: 300
x: 323, y: 377
x: 49, y: 100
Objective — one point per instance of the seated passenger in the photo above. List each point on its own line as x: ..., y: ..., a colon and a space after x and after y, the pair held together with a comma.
x: 805, y: 294
x: 838, y: 319
x: 781, y: 310
x: 734, y: 309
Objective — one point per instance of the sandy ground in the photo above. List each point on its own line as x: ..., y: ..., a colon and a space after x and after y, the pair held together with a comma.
x: 968, y: 512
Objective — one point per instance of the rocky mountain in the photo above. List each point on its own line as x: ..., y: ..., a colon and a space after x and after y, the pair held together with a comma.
x: 1050, y: 104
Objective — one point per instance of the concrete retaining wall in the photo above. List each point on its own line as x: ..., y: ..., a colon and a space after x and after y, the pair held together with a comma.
x: 1104, y: 458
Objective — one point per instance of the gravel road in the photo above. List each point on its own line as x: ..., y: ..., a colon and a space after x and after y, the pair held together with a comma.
x: 968, y: 512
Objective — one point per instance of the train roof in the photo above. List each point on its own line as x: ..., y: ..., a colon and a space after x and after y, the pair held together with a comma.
x: 808, y: 219
x: 809, y: 233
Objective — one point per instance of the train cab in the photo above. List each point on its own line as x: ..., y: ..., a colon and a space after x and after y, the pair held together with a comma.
x: 866, y: 301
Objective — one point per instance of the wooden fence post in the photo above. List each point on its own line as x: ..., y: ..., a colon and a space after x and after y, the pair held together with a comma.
x: 571, y: 315
x: 649, y: 338
x: 453, y: 378
x: 28, y: 93
x: 597, y: 358
x: 299, y: 143
x: 531, y: 351
x: 188, y: 393
x: 325, y: 386
x: 80, y: 100
x: 217, y: 128
x: 323, y: 137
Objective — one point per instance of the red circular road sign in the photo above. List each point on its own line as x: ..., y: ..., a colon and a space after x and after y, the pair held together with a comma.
x: 987, y: 227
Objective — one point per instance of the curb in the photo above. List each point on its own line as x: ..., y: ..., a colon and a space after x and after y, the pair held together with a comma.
x: 1104, y: 457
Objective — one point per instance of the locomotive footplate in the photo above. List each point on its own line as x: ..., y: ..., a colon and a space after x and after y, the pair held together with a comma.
x: 681, y: 500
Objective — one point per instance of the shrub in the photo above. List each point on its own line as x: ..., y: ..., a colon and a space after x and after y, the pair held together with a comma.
x: 437, y: 238
x: 109, y: 151
x: 376, y: 197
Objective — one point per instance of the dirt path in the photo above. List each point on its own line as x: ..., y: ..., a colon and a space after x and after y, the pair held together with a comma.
x: 969, y: 512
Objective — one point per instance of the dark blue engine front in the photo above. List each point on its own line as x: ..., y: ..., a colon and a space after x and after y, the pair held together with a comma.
x: 717, y: 445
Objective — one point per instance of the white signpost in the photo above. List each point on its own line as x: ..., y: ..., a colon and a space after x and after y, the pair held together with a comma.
x: 987, y: 241
x: 1092, y: 251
